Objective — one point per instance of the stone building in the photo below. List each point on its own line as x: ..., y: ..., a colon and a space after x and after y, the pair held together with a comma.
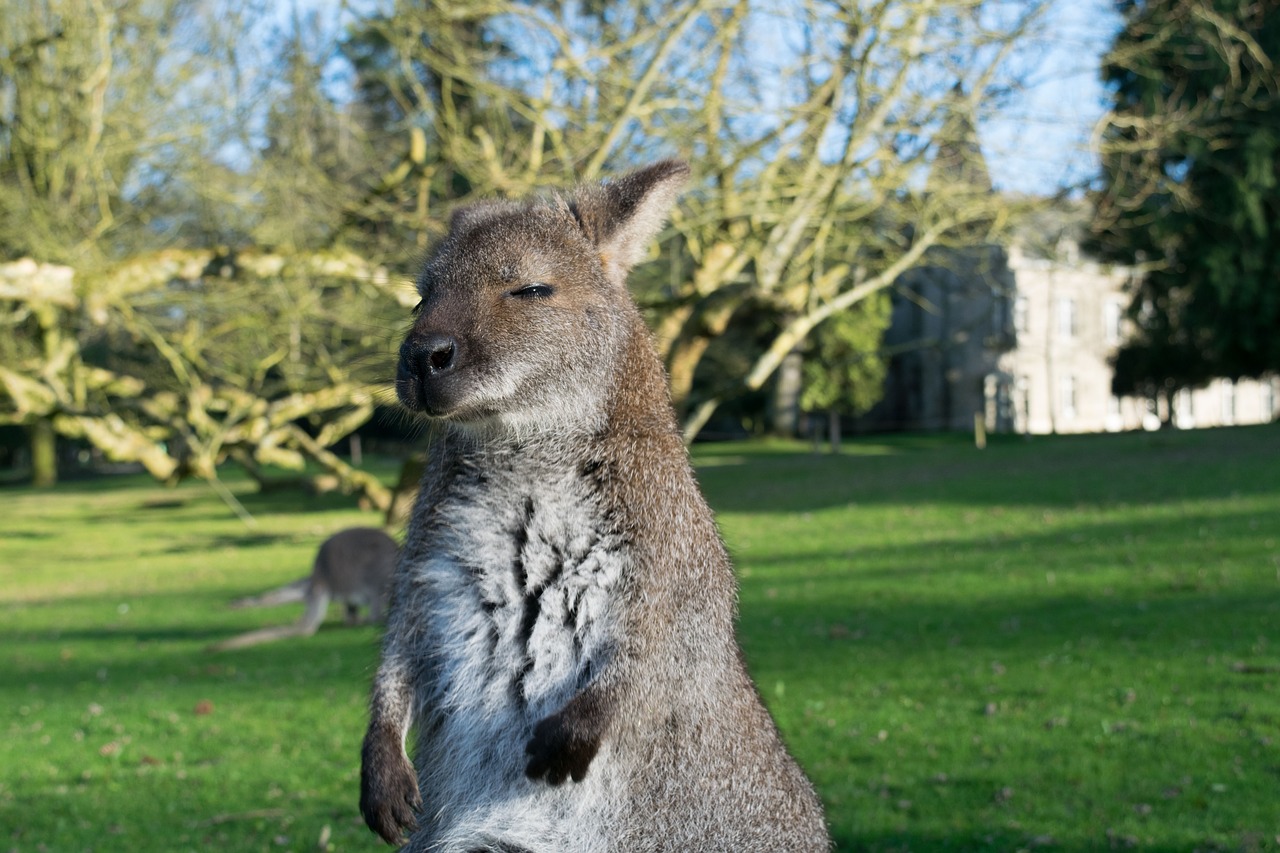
x: 1024, y: 343
x: 1021, y: 338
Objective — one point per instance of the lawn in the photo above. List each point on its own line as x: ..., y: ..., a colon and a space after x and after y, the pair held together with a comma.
x: 1064, y: 643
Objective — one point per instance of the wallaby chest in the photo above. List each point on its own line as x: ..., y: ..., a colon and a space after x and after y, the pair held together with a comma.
x: 521, y: 584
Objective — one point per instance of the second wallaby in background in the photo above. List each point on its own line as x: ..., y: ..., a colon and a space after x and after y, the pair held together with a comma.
x: 561, y: 632
x: 353, y: 567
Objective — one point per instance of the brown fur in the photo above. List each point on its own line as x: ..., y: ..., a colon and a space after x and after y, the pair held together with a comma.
x: 563, y: 624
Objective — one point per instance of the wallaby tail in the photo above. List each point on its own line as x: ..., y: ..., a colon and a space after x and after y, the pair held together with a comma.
x: 296, y: 591
x: 317, y: 604
x: 262, y: 635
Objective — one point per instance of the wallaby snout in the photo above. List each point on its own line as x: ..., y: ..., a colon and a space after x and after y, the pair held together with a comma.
x: 427, y: 363
x: 436, y: 353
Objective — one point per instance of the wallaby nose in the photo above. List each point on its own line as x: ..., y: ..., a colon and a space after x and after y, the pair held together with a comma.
x: 437, y: 354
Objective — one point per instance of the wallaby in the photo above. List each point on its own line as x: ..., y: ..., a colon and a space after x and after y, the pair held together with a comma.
x: 353, y: 566
x: 561, y: 630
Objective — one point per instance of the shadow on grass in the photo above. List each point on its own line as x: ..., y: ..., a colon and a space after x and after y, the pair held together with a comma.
x: 1003, y: 841
x: 242, y: 540
x: 167, y: 647
x: 284, y: 502
x: 182, y: 634
x: 1031, y: 628
x: 1066, y: 471
x: 231, y: 475
x: 1102, y: 583
x: 30, y: 534
x: 1189, y: 543
x: 335, y: 658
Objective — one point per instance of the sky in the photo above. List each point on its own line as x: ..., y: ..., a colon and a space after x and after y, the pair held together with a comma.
x: 1042, y: 142
x: 1039, y: 145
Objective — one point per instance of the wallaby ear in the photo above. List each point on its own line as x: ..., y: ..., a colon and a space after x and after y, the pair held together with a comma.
x: 622, y: 215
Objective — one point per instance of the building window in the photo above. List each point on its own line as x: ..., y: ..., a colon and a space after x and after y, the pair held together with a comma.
x: 1228, y: 392
x: 1067, y: 396
x: 1113, y: 406
x: 1020, y: 314
x: 1067, y: 317
x: 1112, y: 314
x: 1022, y: 403
x: 999, y: 314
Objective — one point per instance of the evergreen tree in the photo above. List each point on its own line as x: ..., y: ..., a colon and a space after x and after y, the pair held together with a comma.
x: 845, y: 371
x: 1191, y: 152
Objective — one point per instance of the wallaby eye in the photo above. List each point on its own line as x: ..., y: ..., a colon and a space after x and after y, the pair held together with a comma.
x: 533, y: 291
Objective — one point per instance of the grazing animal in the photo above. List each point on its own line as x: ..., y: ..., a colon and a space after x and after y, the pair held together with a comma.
x: 561, y: 630
x: 353, y: 566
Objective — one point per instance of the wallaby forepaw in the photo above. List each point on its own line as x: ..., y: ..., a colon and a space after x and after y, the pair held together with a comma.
x: 389, y: 798
x: 560, y: 750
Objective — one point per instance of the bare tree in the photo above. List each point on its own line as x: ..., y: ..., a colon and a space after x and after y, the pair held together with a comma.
x: 143, y: 368
x: 78, y: 110
x: 813, y: 128
x: 816, y: 130
x: 126, y: 132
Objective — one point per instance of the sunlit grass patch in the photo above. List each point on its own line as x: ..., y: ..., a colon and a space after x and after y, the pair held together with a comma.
x: 1064, y: 643
x: 1055, y: 644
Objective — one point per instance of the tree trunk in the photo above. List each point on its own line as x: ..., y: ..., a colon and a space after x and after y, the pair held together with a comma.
x: 685, y: 356
x: 1164, y: 407
x: 44, y: 453
x: 688, y: 349
x: 833, y: 427
x: 784, y: 407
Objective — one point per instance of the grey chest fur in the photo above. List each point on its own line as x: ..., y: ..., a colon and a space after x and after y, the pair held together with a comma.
x: 518, y: 596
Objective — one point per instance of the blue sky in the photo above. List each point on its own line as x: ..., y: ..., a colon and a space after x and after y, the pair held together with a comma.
x: 1042, y: 142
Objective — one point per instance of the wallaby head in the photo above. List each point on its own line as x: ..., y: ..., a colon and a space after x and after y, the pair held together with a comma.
x: 524, y: 314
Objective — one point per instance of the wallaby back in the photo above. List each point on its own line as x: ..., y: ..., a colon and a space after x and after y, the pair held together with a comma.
x: 353, y: 566
x: 356, y: 566
x: 562, y: 628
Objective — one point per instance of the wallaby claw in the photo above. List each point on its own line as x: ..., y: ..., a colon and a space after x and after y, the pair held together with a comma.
x: 389, y: 797
x: 560, y: 750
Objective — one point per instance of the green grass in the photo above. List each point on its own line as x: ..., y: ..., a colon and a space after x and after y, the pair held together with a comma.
x: 1058, y: 644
